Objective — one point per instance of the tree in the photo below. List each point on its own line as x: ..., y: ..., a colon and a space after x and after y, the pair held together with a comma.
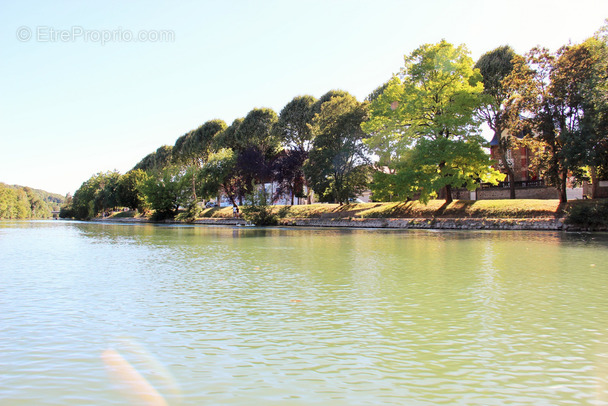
x: 494, y: 67
x: 338, y: 164
x: 288, y: 173
x: 129, y: 190
x: 294, y: 128
x: 219, y: 175
x: 432, y: 104
x: 166, y: 192
x: 257, y: 130
x: 14, y: 203
x: 38, y: 208
x: 157, y: 160
x: 294, y: 125
x: 227, y: 138
x: 552, y: 89
x: 192, y: 149
x: 252, y: 167
x: 593, y: 137
x: 95, y: 195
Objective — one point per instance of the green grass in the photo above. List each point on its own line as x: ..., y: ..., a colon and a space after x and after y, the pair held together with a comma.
x: 518, y: 208
x: 123, y: 214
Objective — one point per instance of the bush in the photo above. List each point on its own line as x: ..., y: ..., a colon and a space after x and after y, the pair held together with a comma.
x: 591, y: 215
x: 259, y: 211
x: 192, y: 213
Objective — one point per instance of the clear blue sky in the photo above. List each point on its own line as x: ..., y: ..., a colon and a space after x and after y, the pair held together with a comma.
x: 71, y: 109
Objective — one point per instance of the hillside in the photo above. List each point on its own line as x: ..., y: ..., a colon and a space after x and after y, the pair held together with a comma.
x: 22, y: 202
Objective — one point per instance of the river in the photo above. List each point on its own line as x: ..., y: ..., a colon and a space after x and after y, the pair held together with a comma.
x: 144, y: 314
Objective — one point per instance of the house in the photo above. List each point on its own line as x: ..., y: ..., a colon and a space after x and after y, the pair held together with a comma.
x: 519, y: 159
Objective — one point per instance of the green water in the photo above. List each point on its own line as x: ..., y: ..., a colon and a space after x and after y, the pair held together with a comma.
x: 213, y: 315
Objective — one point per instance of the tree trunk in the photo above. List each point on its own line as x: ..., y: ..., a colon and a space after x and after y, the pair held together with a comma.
x: 194, y: 189
x: 594, y: 181
x: 563, y: 197
x: 448, y: 194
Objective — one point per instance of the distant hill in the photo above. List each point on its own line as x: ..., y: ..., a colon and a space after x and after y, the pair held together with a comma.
x: 22, y: 202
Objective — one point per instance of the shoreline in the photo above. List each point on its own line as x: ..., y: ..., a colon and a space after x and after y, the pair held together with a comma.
x: 535, y: 224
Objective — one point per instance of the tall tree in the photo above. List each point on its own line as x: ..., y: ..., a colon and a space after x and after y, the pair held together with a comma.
x: 432, y: 103
x: 257, y: 130
x: 288, y: 173
x: 593, y: 138
x: 338, y: 164
x: 551, y: 89
x: 129, y: 190
x: 494, y: 67
x: 227, y: 138
x: 165, y: 191
x: 294, y: 125
x: 192, y: 149
x: 156, y: 160
x: 294, y: 128
x: 220, y: 175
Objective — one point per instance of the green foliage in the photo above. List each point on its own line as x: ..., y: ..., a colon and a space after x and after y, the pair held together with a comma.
x: 437, y: 163
x: 165, y: 192
x: 562, y: 95
x: 256, y: 130
x: 96, y: 195
x: 227, y: 139
x: 424, y: 128
x: 157, y: 160
x: 294, y: 125
x: 588, y: 214
x: 129, y: 190
x: 193, y: 212
x: 14, y: 203
x: 193, y: 148
x: 338, y: 166
x: 258, y: 209
x: 219, y: 175
x: 22, y: 202
x: 495, y: 66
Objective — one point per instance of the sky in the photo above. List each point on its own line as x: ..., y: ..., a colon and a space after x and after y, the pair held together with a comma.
x: 92, y: 86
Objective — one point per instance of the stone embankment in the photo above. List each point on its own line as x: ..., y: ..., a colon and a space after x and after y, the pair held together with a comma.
x: 539, y: 224
x: 433, y: 223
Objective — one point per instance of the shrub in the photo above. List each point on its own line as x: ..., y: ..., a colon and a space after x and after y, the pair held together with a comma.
x: 259, y: 211
x: 588, y: 214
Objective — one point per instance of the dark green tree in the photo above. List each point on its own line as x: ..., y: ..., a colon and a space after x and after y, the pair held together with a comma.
x: 129, y: 190
x: 220, y: 175
x: 338, y: 165
x: 228, y: 137
x: 256, y: 130
x: 494, y: 67
x: 156, y: 160
x: 295, y: 121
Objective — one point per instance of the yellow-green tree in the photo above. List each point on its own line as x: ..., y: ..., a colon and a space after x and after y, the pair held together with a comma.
x: 426, y: 114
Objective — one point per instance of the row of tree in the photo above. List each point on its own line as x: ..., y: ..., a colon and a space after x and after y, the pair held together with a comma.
x: 424, y: 122
x: 22, y: 202
x: 313, y: 144
x: 416, y: 136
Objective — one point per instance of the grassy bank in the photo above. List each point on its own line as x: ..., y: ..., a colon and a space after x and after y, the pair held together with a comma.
x: 579, y: 214
x: 414, y: 209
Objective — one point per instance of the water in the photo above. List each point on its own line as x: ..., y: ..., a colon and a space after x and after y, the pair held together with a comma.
x: 141, y: 314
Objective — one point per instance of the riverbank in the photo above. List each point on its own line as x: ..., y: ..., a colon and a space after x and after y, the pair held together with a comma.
x: 459, y: 215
